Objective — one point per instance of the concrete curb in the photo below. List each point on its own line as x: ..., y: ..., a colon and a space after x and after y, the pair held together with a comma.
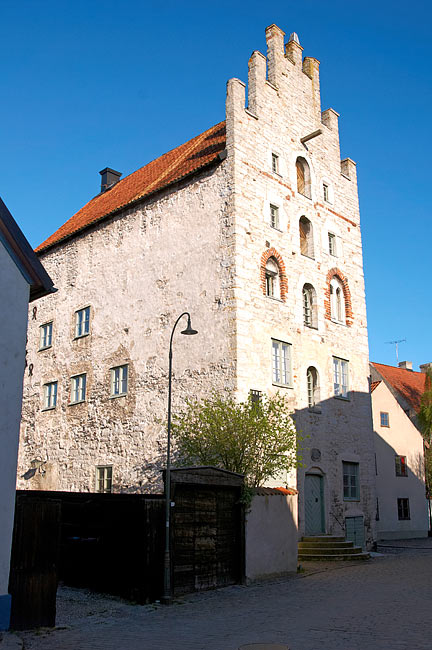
x: 10, y: 641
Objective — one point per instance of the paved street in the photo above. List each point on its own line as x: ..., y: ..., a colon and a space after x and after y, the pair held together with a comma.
x: 382, y: 604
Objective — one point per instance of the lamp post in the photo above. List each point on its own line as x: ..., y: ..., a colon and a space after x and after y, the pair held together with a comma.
x: 167, y: 595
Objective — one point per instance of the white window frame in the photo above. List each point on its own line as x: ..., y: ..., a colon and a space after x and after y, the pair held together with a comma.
x: 119, y: 380
x: 337, y: 301
x: 82, y: 322
x: 104, y: 474
x: 272, y: 279
x: 50, y: 390
x: 45, y: 335
x: 332, y: 247
x: 281, y: 363
x: 340, y: 369
x: 274, y: 216
x: 78, y: 388
x: 351, y: 481
x: 313, y: 390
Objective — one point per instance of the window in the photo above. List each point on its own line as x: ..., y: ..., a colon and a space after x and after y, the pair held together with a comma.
x: 312, y: 387
x: 119, y: 381
x: 82, y: 322
x: 337, y: 301
x: 272, y: 278
x: 45, y: 338
x: 403, y: 509
x: 326, y: 194
x: 281, y: 358
x: 332, y: 243
x: 78, y: 388
x: 303, y: 178
x: 275, y: 163
x: 274, y: 216
x: 384, y: 419
x: 340, y: 377
x: 351, y: 484
x: 309, y: 306
x: 255, y: 396
x: 50, y: 395
x: 401, y: 466
x: 104, y: 479
x: 306, y: 237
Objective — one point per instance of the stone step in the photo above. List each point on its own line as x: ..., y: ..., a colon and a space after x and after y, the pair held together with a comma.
x: 333, y: 558
x: 304, y: 549
x: 324, y: 545
x: 323, y: 538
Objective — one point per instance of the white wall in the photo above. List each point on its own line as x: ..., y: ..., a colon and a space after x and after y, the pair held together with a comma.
x: 271, y: 536
x: 14, y: 296
x: 401, y: 438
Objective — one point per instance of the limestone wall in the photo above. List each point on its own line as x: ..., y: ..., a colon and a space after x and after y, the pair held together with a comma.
x: 138, y: 273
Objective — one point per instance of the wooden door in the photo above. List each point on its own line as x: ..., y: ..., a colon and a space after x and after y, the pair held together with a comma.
x: 314, y: 505
x: 354, y: 527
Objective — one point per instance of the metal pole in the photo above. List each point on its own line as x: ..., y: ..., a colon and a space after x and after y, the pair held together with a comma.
x: 167, y: 587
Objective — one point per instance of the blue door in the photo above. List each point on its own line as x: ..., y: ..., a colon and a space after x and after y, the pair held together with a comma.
x: 314, y: 505
x: 354, y: 527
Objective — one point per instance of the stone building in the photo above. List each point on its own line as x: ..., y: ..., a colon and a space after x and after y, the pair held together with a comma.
x: 253, y: 227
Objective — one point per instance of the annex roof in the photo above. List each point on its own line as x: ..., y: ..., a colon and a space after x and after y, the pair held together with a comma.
x: 170, y: 168
x: 374, y: 384
x: 16, y: 244
x: 408, y: 383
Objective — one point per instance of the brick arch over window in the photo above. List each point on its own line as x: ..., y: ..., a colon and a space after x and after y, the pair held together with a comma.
x: 272, y: 252
x: 347, y: 295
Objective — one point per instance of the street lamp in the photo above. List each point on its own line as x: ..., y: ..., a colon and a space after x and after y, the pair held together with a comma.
x: 167, y: 596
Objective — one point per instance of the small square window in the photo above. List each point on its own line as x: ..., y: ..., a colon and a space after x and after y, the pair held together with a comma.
x: 340, y: 377
x: 281, y: 363
x: 45, y: 336
x: 384, y: 419
x: 78, y: 388
x: 104, y: 479
x: 50, y: 395
x: 403, y: 509
x: 401, y: 466
x: 332, y: 243
x: 274, y: 216
x: 82, y: 322
x: 275, y: 163
x: 119, y: 381
x: 351, y: 483
x: 255, y: 396
x: 326, y: 194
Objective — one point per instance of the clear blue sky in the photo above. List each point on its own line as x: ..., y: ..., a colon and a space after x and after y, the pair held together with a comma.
x: 90, y: 84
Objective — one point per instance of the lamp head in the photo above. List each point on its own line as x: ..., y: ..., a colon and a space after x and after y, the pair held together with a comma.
x: 189, y: 331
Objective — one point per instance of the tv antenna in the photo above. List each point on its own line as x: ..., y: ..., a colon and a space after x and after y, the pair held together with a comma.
x: 396, y: 343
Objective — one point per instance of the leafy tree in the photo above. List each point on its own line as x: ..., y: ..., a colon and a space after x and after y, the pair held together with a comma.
x: 257, y: 439
x: 425, y: 419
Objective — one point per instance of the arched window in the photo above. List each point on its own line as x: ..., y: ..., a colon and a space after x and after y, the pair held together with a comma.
x: 303, y: 178
x: 309, y: 306
x: 272, y: 284
x: 337, y: 301
x: 312, y: 387
x: 306, y: 237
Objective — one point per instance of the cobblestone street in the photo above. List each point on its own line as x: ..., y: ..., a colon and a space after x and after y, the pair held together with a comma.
x: 382, y: 604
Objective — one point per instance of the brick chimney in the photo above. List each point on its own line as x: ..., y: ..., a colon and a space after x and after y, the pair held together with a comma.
x: 406, y: 365
x: 424, y: 367
x: 109, y: 177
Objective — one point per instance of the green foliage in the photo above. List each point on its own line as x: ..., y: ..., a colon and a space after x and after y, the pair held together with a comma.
x: 425, y: 419
x: 258, y: 440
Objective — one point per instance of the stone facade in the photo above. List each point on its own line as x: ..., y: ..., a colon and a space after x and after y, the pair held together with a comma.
x: 204, y: 247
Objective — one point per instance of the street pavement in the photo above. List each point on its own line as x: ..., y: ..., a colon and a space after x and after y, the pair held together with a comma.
x: 380, y: 604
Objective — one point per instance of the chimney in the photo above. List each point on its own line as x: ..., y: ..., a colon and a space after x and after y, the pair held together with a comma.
x: 109, y: 177
x: 424, y: 367
x: 406, y: 365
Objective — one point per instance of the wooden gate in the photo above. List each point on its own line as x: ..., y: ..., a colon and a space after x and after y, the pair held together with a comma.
x: 34, y: 562
x: 208, y: 529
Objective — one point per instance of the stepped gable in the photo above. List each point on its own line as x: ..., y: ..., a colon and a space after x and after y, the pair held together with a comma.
x: 173, y: 166
x: 410, y: 384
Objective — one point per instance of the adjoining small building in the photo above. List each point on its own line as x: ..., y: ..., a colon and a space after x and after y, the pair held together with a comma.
x: 402, y: 506
x: 23, y: 279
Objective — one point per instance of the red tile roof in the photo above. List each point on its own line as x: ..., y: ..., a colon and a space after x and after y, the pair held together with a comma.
x: 264, y: 491
x: 158, y: 174
x: 410, y: 384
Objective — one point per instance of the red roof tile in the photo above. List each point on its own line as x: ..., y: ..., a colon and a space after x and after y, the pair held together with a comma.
x: 374, y: 384
x: 410, y: 384
x: 158, y: 174
x: 264, y: 491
